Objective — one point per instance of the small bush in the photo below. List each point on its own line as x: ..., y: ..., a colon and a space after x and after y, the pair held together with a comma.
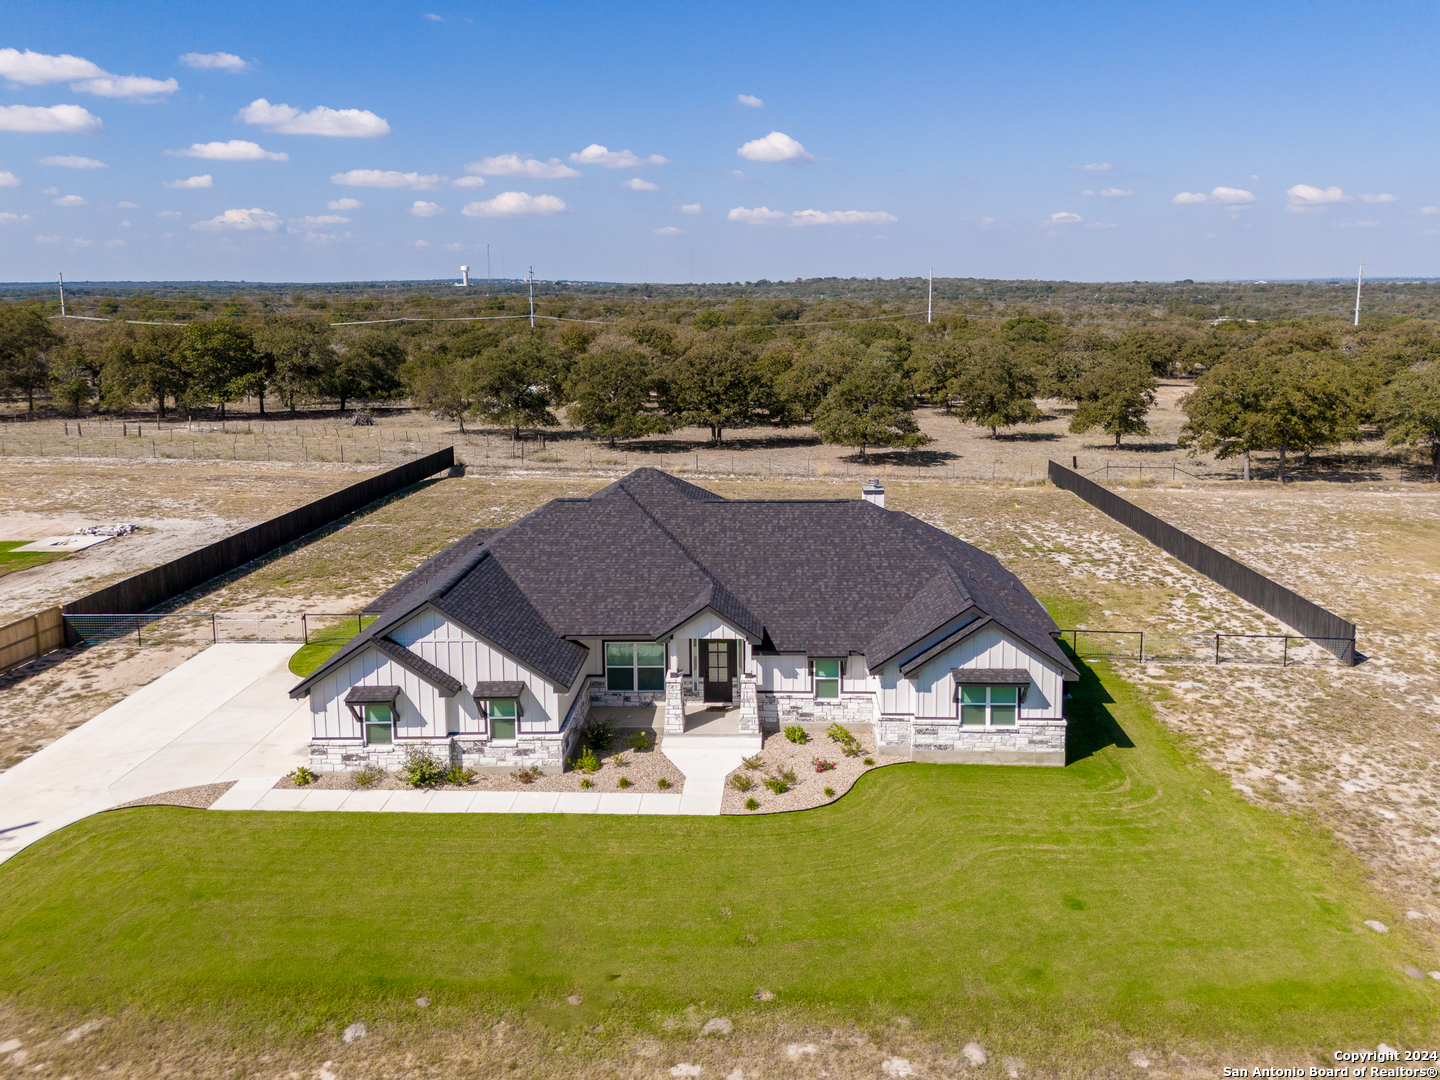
x: 869, y: 761
x: 752, y: 804
x: 598, y: 735
x: 458, y: 774
x: 303, y: 777
x: 620, y: 761
x: 753, y: 763
x: 422, y: 769
x: 587, y: 783
x: 829, y: 792
x: 623, y: 782
x: 662, y: 783
x: 788, y: 775
x: 640, y: 741
x: 848, y: 743
x: 528, y: 775
x: 587, y: 762
x: 368, y: 775
x: 821, y: 765
x: 777, y: 785
x: 741, y: 782
x: 796, y: 734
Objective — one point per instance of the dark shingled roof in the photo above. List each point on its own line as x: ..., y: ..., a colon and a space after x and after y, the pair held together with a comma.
x: 643, y: 555
x: 500, y: 690
x: 447, y: 683
x: 372, y: 695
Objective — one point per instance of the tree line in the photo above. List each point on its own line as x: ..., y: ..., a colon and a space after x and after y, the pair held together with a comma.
x: 1290, y: 388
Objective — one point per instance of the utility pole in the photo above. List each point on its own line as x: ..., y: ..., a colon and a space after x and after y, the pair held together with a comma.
x: 532, y: 297
x: 1358, y: 278
x: 487, y: 262
x: 62, y: 296
x: 930, y: 300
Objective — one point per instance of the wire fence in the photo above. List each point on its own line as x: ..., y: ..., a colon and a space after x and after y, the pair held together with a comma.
x: 1172, y: 647
x: 212, y: 628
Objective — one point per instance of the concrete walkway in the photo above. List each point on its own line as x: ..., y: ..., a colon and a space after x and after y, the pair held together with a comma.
x: 221, y: 715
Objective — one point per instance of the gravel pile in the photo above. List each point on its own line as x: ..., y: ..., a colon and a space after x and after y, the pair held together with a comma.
x: 196, y: 798
x: 780, y: 754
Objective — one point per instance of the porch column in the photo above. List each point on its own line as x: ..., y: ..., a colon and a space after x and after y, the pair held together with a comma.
x: 749, y: 701
x: 674, y: 703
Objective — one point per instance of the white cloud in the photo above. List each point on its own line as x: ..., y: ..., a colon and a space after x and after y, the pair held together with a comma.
x: 128, y: 206
x: 193, y: 182
x: 9, y: 179
x: 78, y: 241
x: 241, y: 221
x: 125, y: 224
x: 69, y: 119
x: 1430, y: 210
x: 515, y: 165
x: 636, y: 184
x: 1304, y: 198
x: 1094, y: 166
x: 234, y: 150
x: 1064, y: 217
x: 313, y: 237
x: 452, y: 247
x: 750, y: 100
x: 169, y: 213
x: 738, y: 176
x: 381, y: 178
x: 71, y: 162
x: 6, y: 217
x: 763, y: 215
x: 469, y: 182
x: 690, y: 208
x: 47, y: 239
x: 422, y: 243
x: 215, y: 61
x: 51, y: 191
x: 344, y: 204
x: 988, y: 223
x: 70, y: 200
x: 515, y: 204
x: 1358, y: 224
x: 777, y: 146
x: 342, y: 123
x: 420, y: 208
x: 434, y: 18
x: 595, y: 154
x: 321, y: 220
x: 1114, y: 193
x: 1225, y: 196
x: 1377, y: 198
x: 1101, y: 225
x: 85, y: 77
x: 668, y: 230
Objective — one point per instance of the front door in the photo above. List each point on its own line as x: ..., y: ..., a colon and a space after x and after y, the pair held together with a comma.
x: 718, y: 670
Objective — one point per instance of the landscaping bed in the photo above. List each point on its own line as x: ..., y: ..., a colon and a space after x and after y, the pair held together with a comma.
x: 790, y: 765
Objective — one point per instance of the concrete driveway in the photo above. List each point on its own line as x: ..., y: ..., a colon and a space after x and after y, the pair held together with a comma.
x: 222, y: 715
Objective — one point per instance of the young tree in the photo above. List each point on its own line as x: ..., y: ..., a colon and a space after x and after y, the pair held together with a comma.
x: 996, y: 386
x: 142, y: 364
x: 72, y: 377
x: 1409, y: 410
x: 870, y: 406
x: 219, y: 358
x: 26, y: 337
x: 508, y: 383
x: 610, y: 394
x: 1115, y: 396
x: 367, y: 368
x: 441, y: 383
x: 298, y: 357
x: 713, y: 385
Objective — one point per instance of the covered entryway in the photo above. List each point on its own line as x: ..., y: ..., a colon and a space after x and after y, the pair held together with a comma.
x: 717, y: 670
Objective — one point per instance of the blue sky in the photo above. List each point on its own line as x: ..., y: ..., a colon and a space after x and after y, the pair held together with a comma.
x: 319, y: 141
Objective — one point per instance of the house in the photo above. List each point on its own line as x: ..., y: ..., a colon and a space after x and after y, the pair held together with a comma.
x: 655, y: 594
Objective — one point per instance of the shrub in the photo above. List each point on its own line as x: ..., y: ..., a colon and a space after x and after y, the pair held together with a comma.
x: 869, y: 761
x: 796, y: 734
x: 788, y: 775
x: 458, y: 774
x: 422, y: 769
x: 368, y: 775
x: 753, y: 763
x: 598, y: 735
x: 741, y: 782
x: 620, y: 761
x: 587, y: 762
x: 528, y: 775
x: 587, y: 783
x: 303, y: 777
x: 848, y: 743
x: 829, y: 792
x: 662, y: 783
x: 821, y: 765
x: 640, y: 741
x: 777, y: 785
x: 752, y: 804
x: 623, y: 782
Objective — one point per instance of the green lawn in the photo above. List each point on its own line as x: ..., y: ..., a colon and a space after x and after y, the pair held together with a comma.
x: 325, y: 643
x: 1052, y: 910
x: 11, y: 560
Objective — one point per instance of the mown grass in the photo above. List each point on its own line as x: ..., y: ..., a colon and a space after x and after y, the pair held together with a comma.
x: 12, y: 560
x: 325, y: 643
x: 1052, y: 911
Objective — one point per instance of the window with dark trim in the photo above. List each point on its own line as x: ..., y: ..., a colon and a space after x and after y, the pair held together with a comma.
x: 825, y: 674
x: 379, y: 725
x: 502, y: 714
x: 634, y: 665
x: 988, y: 706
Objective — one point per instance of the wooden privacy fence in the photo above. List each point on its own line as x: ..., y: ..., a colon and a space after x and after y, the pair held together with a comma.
x: 31, y: 638
x: 1314, y: 623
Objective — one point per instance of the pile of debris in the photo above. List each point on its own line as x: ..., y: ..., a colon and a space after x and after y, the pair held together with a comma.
x: 119, y: 529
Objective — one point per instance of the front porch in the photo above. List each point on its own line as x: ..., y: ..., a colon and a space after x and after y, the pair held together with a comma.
x: 699, y: 719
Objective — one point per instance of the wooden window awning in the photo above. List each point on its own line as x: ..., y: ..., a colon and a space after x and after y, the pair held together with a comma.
x: 372, y: 695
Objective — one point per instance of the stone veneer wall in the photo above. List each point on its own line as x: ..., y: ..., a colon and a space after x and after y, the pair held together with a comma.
x: 674, y: 718
x: 781, y: 710
x: 1040, y: 741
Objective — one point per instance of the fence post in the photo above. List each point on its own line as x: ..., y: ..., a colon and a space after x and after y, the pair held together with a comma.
x: 35, y: 622
x: 304, y: 632
x: 137, y: 631
x: 1285, y: 657
x: 1142, y: 646
x: 1217, y: 648
x: 358, y: 627
x: 214, y: 633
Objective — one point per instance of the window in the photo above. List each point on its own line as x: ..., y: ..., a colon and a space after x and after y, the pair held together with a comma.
x: 827, y: 679
x: 502, y: 719
x: 989, y: 706
x: 634, y: 665
x: 379, y: 725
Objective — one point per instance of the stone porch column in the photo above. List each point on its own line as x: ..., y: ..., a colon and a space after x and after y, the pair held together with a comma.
x: 674, y: 703
x: 749, y: 706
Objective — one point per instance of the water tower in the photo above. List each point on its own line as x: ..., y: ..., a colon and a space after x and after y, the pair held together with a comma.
x: 464, y: 276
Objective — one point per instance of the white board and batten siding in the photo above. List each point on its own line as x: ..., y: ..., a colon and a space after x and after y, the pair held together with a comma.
x: 789, y: 673
x: 930, y: 691
x: 421, y: 711
x: 453, y: 649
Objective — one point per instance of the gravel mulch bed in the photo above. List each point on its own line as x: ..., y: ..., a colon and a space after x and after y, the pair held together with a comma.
x: 196, y: 798
x: 644, y: 769
x: 779, y: 753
